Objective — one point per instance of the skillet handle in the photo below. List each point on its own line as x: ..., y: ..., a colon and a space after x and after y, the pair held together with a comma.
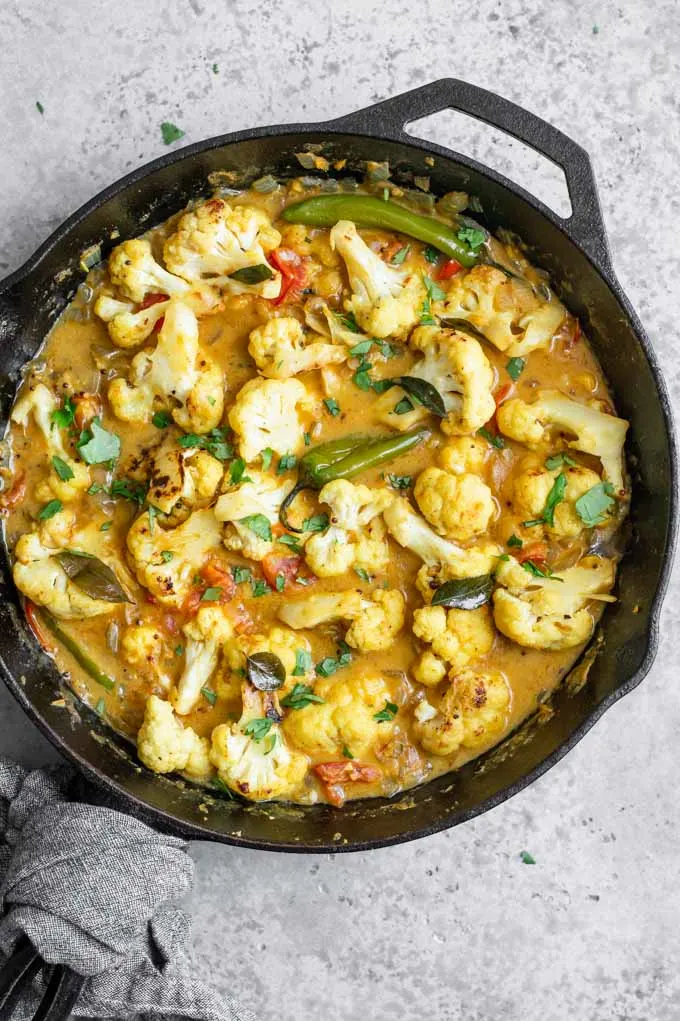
x: 388, y: 119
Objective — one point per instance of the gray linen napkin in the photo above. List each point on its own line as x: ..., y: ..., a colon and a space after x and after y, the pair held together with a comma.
x: 89, y: 886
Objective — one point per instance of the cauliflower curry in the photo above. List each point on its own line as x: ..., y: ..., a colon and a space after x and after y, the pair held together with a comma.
x: 312, y: 490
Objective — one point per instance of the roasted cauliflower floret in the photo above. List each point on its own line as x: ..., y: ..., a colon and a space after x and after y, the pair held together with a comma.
x: 214, y: 240
x: 283, y: 643
x: 458, y: 368
x: 550, y: 613
x: 183, y: 479
x: 345, y: 718
x: 374, y: 622
x: 553, y: 414
x: 267, y: 414
x: 39, y: 575
x: 135, y: 273
x: 385, y: 301
x: 166, y: 560
x: 356, y: 536
x: 66, y: 478
x: 166, y: 746
x: 252, y: 756
x: 442, y: 559
x: 533, y: 486
x: 176, y: 375
x: 473, y: 711
x: 141, y: 646
x: 457, y: 506
x: 205, y: 636
x: 464, y: 455
x: 243, y: 508
x: 506, y: 311
x: 127, y: 325
x: 456, y: 638
x: 280, y: 350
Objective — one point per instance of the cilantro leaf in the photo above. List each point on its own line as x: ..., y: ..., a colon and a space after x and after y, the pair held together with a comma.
x: 596, y: 504
x: 161, y: 419
x: 170, y: 132
x: 400, y: 481
x: 494, y: 439
x: 555, y: 497
x: 63, y: 470
x: 97, y: 445
x: 303, y: 662
x: 317, y: 523
x: 267, y: 455
x: 474, y: 236
x: 527, y: 858
x: 50, y: 509
x: 209, y: 695
x: 515, y: 368
x: 129, y: 490
x: 241, y: 574
x: 332, y: 406
x: 515, y: 540
x: 65, y: 416
x: 259, y: 524
x: 259, y: 587
x: 258, y: 728
x: 559, y: 460
x: 286, y: 463
x: 399, y: 257
x: 386, y: 714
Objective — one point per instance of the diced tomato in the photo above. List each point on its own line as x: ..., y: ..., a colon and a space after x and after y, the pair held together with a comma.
x: 243, y: 622
x: 278, y: 529
x: 537, y: 551
x: 218, y: 576
x: 14, y: 494
x: 448, y: 269
x: 152, y: 298
x: 192, y: 601
x: 502, y: 392
x: 293, y: 274
x: 273, y: 566
x: 150, y: 599
x: 334, y: 774
x: 170, y: 624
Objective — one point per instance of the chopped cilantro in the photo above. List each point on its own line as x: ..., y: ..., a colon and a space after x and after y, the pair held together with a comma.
x: 300, y: 696
x: 434, y: 291
x: 286, y: 463
x: 241, y: 574
x: 215, y: 443
x: 515, y: 368
x: 473, y: 236
x: 362, y: 377
x: 280, y: 582
x: 362, y: 348
x: 105, y: 526
x: 332, y: 406
x: 555, y: 497
x: 65, y: 416
x: 327, y: 666
x: 63, y: 470
x: 399, y: 257
x: 215, y: 69
x: 237, y: 471
x: 303, y: 662
x: 258, y: 728
x: 596, y: 504
x: 259, y: 588
x: 346, y: 753
x: 170, y: 132
x: 95, y: 488
x: 129, y: 490
x: 538, y: 572
x: 527, y: 858
x: 209, y: 695
x: 97, y: 445
x: 431, y: 254
x: 267, y: 455
x: 348, y: 321
x: 308, y: 440
x: 39, y: 107
x: 400, y: 481
x: 167, y: 555
x: 515, y: 540
x: 559, y: 460
x: 386, y: 714
x: 362, y: 573
x: 494, y: 439
x: 212, y: 594
x: 291, y: 541
x: 161, y: 419
x: 50, y: 509
x: 317, y: 523
x: 259, y: 524
x: 179, y: 650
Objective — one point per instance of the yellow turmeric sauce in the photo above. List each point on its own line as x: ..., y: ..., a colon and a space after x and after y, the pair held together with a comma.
x: 78, y: 357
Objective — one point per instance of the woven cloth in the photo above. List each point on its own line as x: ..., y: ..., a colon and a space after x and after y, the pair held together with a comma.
x: 90, y: 887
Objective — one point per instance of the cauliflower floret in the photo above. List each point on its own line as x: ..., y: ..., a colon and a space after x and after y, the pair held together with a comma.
x: 379, y: 621
x: 385, y: 301
x: 165, y: 746
x: 532, y: 487
x: 374, y: 622
x: 166, y: 560
x: 252, y: 756
x: 266, y: 413
x: 142, y: 647
x: 262, y: 496
x: 176, y: 375
x: 472, y: 712
x: 345, y: 718
x: 279, y: 349
x: 595, y: 433
x: 183, y: 479
x: 457, y: 506
x: 214, y: 240
x: 355, y: 536
x: 282, y: 642
x: 458, y: 368
x: 456, y: 638
x: 39, y: 575
x: 128, y: 326
x: 463, y: 455
x: 506, y: 311
x: 442, y: 559
x: 41, y: 403
x: 135, y: 272
x: 550, y: 613
x: 206, y: 634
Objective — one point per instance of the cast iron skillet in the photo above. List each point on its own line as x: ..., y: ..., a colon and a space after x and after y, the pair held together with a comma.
x: 575, y: 253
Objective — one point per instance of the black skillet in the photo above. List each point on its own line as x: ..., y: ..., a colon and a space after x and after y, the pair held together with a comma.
x: 575, y: 253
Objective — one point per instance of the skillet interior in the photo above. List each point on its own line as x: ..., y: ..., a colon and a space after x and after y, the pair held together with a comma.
x: 626, y: 642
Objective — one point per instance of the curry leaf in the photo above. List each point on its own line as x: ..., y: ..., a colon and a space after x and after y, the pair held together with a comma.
x: 92, y: 576
x: 464, y: 593
x: 265, y: 671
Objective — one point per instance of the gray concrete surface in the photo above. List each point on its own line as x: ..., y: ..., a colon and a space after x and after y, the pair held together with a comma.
x: 454, y: 927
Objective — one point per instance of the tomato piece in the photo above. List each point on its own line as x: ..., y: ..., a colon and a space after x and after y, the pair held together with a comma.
x: 273, y: 566
x: 243, y: 622
x: 170, y: 624
x: 151, y: 599
x: 537, y: 551
x: 293, y: 274
x: 192, y: 602
x: 218, y: 576
x: 88, y: 406
x: 14, y: 494
x: 502, y: 392
x: 152, y: 298
x: 448, y: 269
x: 347, y: 771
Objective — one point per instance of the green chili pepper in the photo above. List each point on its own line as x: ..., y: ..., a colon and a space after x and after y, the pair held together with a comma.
x: 326, y: 210
x: 344, y: 459
x: 80, y: 656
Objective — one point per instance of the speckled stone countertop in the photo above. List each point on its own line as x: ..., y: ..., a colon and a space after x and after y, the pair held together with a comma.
x: 456, y: 926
